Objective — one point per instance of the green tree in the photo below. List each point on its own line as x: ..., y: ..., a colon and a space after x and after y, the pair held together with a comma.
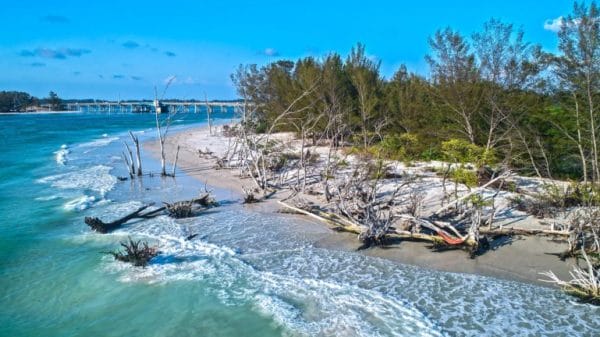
x: 577, y: 68
x: 15, y: 101
x: 366, y: 81
x: 456, y: 84
x: 55, y: 102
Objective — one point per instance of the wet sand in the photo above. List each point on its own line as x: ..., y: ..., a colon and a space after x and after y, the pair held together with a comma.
x: 520, y: 258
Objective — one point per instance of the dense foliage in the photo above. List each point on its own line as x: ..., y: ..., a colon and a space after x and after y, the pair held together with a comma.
x: 17, y: 101
x: 491, y: 93
x: 11, y: 101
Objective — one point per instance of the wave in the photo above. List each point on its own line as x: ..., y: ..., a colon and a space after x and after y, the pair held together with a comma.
x: 100, y: 142
x: 61, y: 155
x: 47, y: 198
x: 80, y: 203
x: 303, y: 305
x: 96, y: 178
x: 319, y: 292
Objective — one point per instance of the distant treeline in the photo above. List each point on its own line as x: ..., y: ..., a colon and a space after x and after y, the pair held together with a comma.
x: 18, y: 101
x: 491, y: 93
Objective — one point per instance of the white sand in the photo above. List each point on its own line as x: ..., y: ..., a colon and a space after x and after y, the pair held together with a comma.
x: 520, y: 258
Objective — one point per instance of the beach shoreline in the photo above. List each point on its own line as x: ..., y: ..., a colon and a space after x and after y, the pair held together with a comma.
x: 520, y: 259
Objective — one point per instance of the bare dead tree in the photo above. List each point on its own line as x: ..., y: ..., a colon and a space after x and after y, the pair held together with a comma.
x: 162, y: 127
x: 256, y: 147
x: 136, y: 143
x: 305, y: 127
x: 175, y: 162
x: 584, y: 283
x: 128, y: 164
x: 129, y: 161
x: 208, y: 118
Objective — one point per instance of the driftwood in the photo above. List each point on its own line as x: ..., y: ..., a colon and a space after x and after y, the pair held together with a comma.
x: 584, y: 283
x: 522, y: 231
x: 250, y: 195
x: 137, y: 253
x: 175, y: 162
x: 136, y: 142
x: 185, y: 209
x: 473, y: 192
x: 105, y: 227
x: 177, y: 210
x: 339, y: 223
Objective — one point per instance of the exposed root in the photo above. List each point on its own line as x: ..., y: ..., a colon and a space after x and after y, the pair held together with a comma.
x: 137, y: 253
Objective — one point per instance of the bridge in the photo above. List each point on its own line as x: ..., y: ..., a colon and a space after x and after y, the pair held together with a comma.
x: 156, y: 106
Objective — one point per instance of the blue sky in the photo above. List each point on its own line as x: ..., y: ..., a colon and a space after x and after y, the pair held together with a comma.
x: 111, y: 49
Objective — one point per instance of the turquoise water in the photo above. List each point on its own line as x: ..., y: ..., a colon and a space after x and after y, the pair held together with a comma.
x: 246, y: 274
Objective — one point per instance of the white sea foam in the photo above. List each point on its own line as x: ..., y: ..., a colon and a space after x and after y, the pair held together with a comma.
x: 317, y: 292
x: 47, y: 198
x: 79, y: 204
x: 305, y: 306
x: 96, y: 178
x: 105, y: 140
x: 61, y: 155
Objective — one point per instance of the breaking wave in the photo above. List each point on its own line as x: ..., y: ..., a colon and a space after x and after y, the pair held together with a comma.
x: 311, y: 291
x: 96, y: 178
x: 61, y: 155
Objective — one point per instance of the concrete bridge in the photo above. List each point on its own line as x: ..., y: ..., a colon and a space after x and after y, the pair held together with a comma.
x: 156, y: 106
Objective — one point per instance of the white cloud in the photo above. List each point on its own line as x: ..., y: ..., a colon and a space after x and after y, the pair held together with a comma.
x: 189, y: 80
x: 271, y: 52
x: 554, y: 25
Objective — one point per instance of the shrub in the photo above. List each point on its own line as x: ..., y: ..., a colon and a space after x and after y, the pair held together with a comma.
x: 463, y: 152
x: 464, y: 176
x: 575, y: 194
x: 431, y: 153
x: 400, y: 146
x: 380, y: 170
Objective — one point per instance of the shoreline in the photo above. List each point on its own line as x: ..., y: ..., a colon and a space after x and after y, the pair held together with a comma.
x: 38, y: 113
x: 520, y: 258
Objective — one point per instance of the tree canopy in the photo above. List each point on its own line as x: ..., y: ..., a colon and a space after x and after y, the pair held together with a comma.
x: 535, y: 111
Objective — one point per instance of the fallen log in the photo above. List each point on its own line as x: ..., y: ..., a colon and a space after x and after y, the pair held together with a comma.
x: 177, y: 210
x: 186, y: 209
x: 340, y: 224
x: 337, y: 223
x: 105, y: 227
x: 437, y: 227
x: 522, y: 231
x: 250, y: 196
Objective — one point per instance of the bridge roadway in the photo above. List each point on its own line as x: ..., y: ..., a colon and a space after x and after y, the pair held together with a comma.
x: 151, y: 106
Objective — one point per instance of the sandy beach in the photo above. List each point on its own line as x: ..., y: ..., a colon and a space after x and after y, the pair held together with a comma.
x: 520, y: 258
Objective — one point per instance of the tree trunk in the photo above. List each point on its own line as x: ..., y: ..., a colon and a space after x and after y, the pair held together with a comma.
x: 136, y: 142
x: 175, y: 162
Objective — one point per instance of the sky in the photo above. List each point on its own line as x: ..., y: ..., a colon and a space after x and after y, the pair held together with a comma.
x: 124, y: 49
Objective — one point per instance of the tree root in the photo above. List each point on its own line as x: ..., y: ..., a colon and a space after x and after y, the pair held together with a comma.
x: 137, y: 253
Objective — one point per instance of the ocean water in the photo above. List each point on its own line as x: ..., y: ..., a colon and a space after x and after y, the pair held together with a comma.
x: 245, y: 274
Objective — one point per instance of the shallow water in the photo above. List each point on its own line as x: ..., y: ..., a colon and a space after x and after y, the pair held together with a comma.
x: 245, y: 274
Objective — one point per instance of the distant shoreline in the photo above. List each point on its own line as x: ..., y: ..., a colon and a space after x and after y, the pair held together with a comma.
x: 39, y: 113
